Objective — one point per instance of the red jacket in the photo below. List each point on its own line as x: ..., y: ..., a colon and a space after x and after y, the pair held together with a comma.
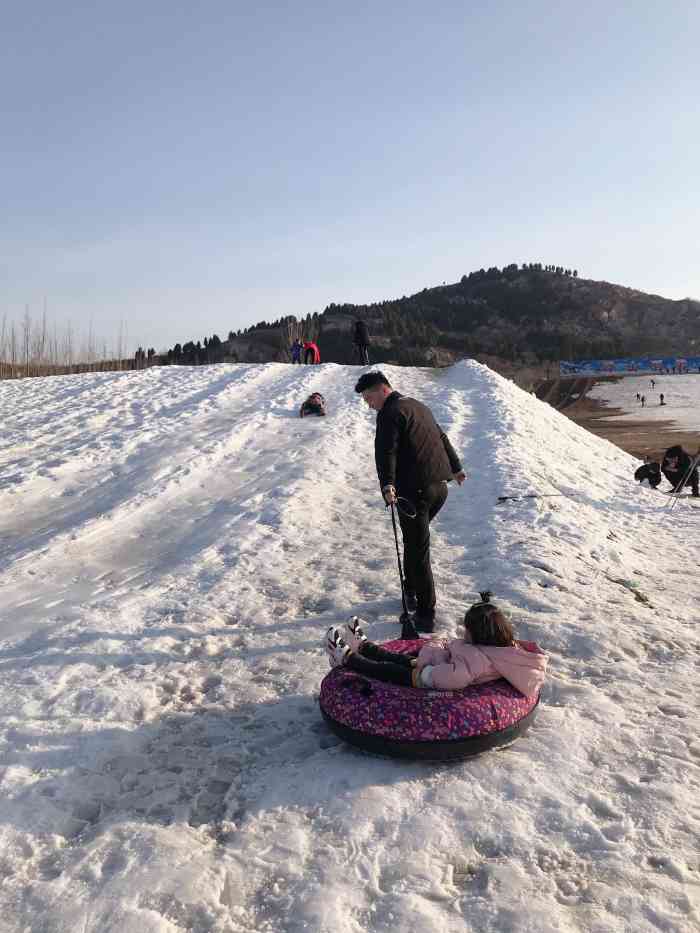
x: 310, y: 345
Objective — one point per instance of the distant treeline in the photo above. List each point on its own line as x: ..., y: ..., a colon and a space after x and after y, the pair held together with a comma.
x: 35, y: 348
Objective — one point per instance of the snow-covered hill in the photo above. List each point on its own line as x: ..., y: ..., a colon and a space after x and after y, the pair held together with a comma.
x: 173, y: 545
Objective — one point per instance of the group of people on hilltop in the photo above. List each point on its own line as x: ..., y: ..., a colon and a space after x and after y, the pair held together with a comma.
x: 307, y: 351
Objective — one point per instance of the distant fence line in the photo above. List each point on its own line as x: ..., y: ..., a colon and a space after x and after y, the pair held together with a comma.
x: 643, y: 365
x: 30, y: 370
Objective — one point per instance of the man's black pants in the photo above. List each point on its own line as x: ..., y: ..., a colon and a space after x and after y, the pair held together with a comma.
x: 676, y: 478
x: 416, y: 546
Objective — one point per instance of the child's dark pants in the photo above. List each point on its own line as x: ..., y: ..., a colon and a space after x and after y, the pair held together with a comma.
x: 390, y: 666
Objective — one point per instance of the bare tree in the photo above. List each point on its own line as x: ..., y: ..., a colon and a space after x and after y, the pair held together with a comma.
x: 26, y: 338
x: 13, y: 351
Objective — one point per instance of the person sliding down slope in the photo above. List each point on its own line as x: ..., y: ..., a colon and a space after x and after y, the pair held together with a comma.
x: 314, y: 405
x: 487, y: 652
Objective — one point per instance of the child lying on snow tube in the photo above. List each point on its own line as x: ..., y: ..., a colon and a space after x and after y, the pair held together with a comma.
x: 489, y: 651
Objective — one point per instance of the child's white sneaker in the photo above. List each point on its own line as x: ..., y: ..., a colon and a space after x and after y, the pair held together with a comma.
x: 337, y: 649
x: 352, y: 633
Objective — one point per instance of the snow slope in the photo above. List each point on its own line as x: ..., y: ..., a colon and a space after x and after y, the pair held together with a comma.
x: 681, y: 394
x: 174, y: 544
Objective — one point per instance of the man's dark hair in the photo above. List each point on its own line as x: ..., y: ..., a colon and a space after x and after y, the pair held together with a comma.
x: 370, y: 380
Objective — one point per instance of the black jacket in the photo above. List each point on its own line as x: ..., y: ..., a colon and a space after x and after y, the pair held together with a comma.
x: 361, y: 334
x: 410, y: 449
x: 676, y: 477
x: 651, y: 472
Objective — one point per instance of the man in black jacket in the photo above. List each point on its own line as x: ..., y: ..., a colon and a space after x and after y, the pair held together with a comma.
x: 414, y: 459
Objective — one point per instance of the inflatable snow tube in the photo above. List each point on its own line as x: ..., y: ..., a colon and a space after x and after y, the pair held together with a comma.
x: 433, y: 725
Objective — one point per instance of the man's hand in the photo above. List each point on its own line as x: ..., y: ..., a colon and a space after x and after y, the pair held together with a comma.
x: 460, y: 477
x: 389, y: 493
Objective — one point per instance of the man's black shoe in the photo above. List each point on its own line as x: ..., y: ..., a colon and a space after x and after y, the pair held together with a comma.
x: 411, y: 601
x: 424, y: 623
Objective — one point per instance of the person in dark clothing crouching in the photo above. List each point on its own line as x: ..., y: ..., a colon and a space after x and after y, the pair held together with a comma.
x: 650, y: 472
x: 414, y: 459
x: 676, y: 468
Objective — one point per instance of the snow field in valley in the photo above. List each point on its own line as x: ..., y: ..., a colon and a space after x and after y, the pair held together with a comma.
x: 681, y: 395
x: 173, y: 545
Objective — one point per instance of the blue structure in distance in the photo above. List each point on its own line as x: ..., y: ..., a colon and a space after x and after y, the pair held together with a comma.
x: 637, y: 366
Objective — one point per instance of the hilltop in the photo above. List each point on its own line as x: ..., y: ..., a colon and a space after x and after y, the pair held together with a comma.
x: 517, y: 316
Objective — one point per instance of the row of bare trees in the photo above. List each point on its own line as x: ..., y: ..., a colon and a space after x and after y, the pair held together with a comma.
x: 35, y: 347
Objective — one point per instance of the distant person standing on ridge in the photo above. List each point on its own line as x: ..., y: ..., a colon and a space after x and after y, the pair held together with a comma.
x: 311, y: 352
x: 297, y: 347
x: 643, y: 400
x: 414, y: 459
x: 661, y: 399
x: 360, y: 338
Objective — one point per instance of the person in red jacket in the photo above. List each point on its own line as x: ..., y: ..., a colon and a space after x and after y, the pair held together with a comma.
x: 311, y: 352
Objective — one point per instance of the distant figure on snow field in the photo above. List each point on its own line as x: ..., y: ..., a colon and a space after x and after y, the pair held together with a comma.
x: 311, y: 352
x: 643, y: 400
x: 415, y: 460
x: 676, y: 466
x: 649, y: 472
x: 314, y: 405
x: 360, y: 339
x: 661, y: 399
x: 652, y: 383
x: 488, y: 651
x: 639, y: 397
x: 296, y: 349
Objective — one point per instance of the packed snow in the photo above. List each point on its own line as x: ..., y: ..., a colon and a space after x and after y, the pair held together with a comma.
x: 175, y: 542
x: 681, y: 396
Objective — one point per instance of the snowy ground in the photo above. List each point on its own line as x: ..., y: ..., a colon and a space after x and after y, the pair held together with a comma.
x: 173, y: 545
x: 681, y: 394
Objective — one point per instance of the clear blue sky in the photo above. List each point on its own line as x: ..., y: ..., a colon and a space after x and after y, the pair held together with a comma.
x: 190, y: 168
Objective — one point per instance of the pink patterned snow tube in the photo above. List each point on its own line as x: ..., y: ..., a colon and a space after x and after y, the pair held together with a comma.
x: 432, y: 724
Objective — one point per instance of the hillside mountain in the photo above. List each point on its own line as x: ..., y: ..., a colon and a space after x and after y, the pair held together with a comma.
x: 523, y: 315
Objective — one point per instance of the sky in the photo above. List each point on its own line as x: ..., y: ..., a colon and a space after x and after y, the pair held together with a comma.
x: 175, y: 170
